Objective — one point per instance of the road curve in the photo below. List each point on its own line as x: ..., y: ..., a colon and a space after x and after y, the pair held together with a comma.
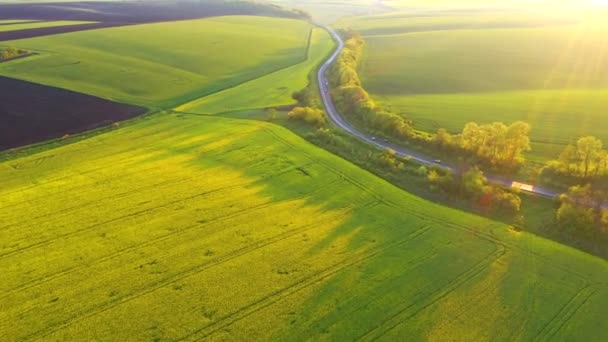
x: 338, y: 120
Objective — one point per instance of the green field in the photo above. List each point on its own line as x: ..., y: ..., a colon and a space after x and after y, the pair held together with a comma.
x: 329, y: 11
x: 12, y: 22
x: 272, y: 90
x: 25, y: 26
x: 446, y: 68
x: 551, y: 5
x: 188, y: 226
x: 164, y: 64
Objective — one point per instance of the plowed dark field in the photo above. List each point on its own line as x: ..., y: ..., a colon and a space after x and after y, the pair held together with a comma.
x: 31, y: 113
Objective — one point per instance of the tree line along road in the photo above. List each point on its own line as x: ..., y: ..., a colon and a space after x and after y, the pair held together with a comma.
x: 339, y: 121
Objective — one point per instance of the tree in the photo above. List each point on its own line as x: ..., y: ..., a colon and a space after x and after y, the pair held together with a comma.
x: 588, y: 150
x: 582, y: 210
x: 517, y: 142
x: 474, y: 183
x: 567, y: 159
x: 443, y: 139
x: 309, y: 115
x: 584, y: 160
x: 496, y: 144
x: 575, y: 219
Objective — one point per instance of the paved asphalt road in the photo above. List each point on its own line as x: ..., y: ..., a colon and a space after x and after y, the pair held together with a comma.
x: 340, y: 122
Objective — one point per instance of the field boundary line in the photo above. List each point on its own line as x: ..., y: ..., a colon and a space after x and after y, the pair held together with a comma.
x: 196, y: 98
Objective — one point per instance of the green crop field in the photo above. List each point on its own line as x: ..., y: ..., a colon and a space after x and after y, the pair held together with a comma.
x: 272, y: 90
x: 330, y: 11
x: 163, y: 64
x: 12, y: 22
x: 550, y: 5
x: 41, y: 24
x: 447, y: 68
x: 202, y: 227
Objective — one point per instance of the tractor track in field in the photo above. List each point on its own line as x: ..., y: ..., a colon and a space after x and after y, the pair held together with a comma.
x: 130, y: 192
x: 328, y: 167
x: 257, y: 207
x: 116, y: 219
x: 402, y: 315
x: 135, y: 214
x: 79, y: 187
x: 127, y: 193
x: 153, y: 286
x: 565, y: 313
x: 408, y: 265
x: 110, y: 153
x: 177, y: 233
x: 298, y: 286
x: 477, y: 233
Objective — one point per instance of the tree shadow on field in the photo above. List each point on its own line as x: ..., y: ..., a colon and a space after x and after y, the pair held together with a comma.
x: 342, y: 254
x: 388, y: 265
x: 370, y: 217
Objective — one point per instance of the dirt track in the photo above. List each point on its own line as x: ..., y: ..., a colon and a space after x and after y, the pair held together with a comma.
x: 31, y: 113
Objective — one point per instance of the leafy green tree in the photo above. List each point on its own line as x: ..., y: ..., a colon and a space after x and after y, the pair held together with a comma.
x: 474, y: 183
x: 313, y: 116
x: 582, y: 211
x: 588, y: 150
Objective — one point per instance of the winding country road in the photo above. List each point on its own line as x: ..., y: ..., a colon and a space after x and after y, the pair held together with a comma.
x: 339, y: 120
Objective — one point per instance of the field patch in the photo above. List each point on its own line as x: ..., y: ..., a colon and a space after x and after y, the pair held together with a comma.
x: 134, y: 11
x: 163, y: 64
x: 39, y: 24
x: 216, y: 228
x: 31, y: 113
x: 445, y: 68
x: 272, y: 90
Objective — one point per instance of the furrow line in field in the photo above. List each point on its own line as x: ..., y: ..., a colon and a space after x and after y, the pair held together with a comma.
x: 130, y: 159
x: 489, y: 237
x: 81, y: 186
x: 120, y: 218
x: 402, y: 315
x: 132, y: 192
x: 565, y: 313
x: 119, y: 195
x: 330, y: 168
x: 177, y: 277
x: 265, y: 205
x: 42, y: 280
x: 360, y: 305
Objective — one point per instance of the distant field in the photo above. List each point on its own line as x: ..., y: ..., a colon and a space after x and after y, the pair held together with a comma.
x: 163, y: 64
x: 202, y: 227
x: 12, y: 22
x: 550, y: 4
x: 272, y: 90
x: 330, y: 11
x: 446, y: 68
x: 40, y: 24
